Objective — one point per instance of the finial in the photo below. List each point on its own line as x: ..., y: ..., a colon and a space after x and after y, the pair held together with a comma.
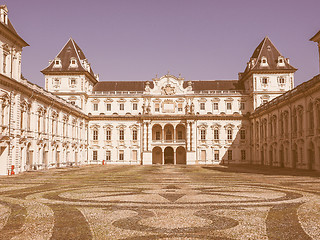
x: 168, y: 72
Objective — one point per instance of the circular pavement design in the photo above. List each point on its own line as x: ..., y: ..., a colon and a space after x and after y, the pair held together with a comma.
x: 157, y: 202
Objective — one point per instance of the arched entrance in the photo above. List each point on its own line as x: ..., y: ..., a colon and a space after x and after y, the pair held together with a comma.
x: 311, y: 160
x: 271, y: 156
x: 168, y: 155
x: 181, y: 155
x: 29, y: 160
x: 294, y: 156
x: 281, y: 156
x: 156, y: 155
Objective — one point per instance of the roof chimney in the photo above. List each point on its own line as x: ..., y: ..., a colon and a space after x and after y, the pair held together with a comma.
x: 316, y: 38
x: 4, y: 14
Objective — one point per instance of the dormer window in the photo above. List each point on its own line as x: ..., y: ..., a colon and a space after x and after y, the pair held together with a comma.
x: 264, y: 62
x: 281, y: 62
x: 57, y: 63
x: 73, y: 63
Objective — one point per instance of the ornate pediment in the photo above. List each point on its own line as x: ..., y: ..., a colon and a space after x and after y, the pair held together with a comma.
x: 167, y: 85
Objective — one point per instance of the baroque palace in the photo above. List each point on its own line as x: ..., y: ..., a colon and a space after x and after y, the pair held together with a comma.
x: 77, y: 119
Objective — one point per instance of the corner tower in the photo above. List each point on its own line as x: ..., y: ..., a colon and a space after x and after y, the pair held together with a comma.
x: 268, y: 74
x: 11, y: 47
x: 70, y: 76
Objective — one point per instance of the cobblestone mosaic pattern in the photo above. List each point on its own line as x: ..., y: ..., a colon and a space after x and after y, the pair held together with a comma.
x: 160, y: 202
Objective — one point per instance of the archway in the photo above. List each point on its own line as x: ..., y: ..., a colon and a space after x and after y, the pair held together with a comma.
x: 156, y: 133
x: 168, y: 155
x: 169, y: 132
x: 180, y: 133
x: 271, y: 156
x: 156, y: 155
x: 45, y: 156
x: 294, y: 156
x: 181, y: 155
x: 311, y: 160
x: 281, y: 156
x: 262, y: 156
x: 29, y: 160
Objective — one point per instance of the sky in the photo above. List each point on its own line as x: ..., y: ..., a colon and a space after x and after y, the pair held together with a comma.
x: 137, y: 39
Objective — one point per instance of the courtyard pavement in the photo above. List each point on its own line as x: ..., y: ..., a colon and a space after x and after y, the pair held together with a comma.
x: 160, y: 202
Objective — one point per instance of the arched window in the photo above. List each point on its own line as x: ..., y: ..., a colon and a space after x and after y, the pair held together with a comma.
x: 311, y: 117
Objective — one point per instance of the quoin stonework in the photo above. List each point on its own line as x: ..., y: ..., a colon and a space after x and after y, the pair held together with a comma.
x: 259, y: 118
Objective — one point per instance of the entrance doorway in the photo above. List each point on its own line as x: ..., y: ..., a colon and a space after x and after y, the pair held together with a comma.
x: 156, y: 155
x: 181, y: 155
x: 168, y: 155
x: 311, y: 160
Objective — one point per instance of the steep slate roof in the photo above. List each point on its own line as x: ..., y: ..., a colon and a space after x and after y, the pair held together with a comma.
x: 121, y: 86
x: 14, y: 32
x: 267, y: 49
x: 197, y: 85
x: 316, y: 37
x: 70, y: 50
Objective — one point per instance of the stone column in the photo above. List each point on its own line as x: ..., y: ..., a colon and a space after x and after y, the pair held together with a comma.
x: 149, y: 136
x: 174, y: 156
x: 162, y: 156
x: 187, y: 136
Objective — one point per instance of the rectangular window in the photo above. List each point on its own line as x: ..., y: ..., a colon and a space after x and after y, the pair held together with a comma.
x: 216, y: 134
x: 134, y: 155
x: 229, y: 154
x: 108, y: 155
x: 180, y: 107
x: 243, y: 154
x: 157, y: 135
x: 215, y: 106
x: 203, y: 155
x: 134, y: 106
x: 242, y: 106
x: 229, y: 134
x: 229, y: 106
x: 264, y: 80
x: 242, y: 134
x: 95, y: 155
x: 216, y: 155
x: 203, y: 134
x: 73, y: 82
x: 95, y: 135
x: 95, y: 107
x: 121, y: 106
x: 121, y: 135
x: 121, y: 155
x: 157, y: 107
x: 134, y: 135
x: 108, y: 106
x: 281, y: 80
x: 108, y: 135
x: 202, y: 106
